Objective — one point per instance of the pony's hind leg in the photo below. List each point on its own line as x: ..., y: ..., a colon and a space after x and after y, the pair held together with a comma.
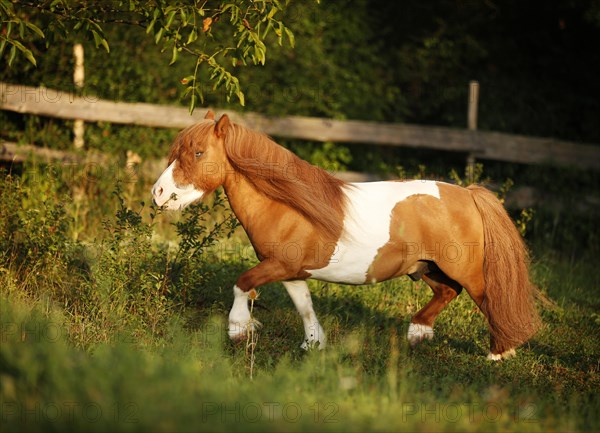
x: 475, y: 288
x: 445, y: 290
x: 314, y: 334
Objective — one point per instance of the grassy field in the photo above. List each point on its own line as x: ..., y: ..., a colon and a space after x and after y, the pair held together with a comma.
x: 112, y: 318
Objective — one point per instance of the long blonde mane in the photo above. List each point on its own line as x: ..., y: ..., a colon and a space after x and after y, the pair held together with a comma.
x: 282, y: 176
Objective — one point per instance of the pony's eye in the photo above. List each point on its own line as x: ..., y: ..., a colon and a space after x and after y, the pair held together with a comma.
x: 199, y: 154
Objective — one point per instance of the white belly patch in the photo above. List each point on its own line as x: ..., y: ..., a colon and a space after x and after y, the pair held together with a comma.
x: 367, y: 227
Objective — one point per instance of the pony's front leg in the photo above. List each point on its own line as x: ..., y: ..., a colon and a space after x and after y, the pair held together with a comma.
x: 239, y: 316
x: 265, y: 272
x: 315, y: 336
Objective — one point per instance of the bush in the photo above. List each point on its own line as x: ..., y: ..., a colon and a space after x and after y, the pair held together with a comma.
x: 123, y: 278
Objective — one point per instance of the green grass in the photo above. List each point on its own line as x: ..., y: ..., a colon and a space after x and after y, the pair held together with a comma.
x: 122, y: 331
x: 189, y: 377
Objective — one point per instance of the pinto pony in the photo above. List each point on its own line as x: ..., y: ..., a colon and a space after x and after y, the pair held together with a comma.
x: 304, y: 223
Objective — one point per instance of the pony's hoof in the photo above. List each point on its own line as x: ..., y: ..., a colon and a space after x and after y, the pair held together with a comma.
x: 312, y: 345
x: 237, y: 337
x: 501, y: 356
x: 239, y: 332
x: 417, y: 333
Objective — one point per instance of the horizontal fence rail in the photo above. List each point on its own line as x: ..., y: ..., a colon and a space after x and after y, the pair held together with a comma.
x: 480, y: 144
x: 72, y: 161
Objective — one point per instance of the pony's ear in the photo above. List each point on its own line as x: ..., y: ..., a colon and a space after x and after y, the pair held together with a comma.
x: 222, y: 126
x: 210, y: 115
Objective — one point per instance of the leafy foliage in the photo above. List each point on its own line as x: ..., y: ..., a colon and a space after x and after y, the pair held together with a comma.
x: 238, y: 30
x: 33, y: 223
x: 122, y: 279
x: 199, y: 233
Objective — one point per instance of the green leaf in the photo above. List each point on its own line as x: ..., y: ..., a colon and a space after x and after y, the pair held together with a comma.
x: 174, y: 55
x: 11, y: 55
x: 291, y: 37
x: 158, y: 35
x: 170, y: 18
x: 157, y: 13
x: 104, y: 43
x: 241, y: 97
x: 192, y: 103
x: 150, y: 26
x: 220, y: 79
x: 259, y: 55
x: 268, y: 29
x: 279, y: 33
x: 28, y: 54
x: 197, y: 94
x: 99, y: 40
x: 192, y: 37
x: 35, y: 29
x: 96, y: 25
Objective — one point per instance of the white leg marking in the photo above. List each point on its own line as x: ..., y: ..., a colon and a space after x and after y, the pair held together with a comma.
x: 418, y: 332
x: 500, y: 356
x: 239, y: 316
x: 315, y: 336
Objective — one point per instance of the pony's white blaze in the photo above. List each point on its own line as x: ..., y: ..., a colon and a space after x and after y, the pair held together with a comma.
x: 367, y: 227
x: 165, y: 187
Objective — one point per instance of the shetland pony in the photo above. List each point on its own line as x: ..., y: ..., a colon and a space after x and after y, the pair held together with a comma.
x: 304, y: 223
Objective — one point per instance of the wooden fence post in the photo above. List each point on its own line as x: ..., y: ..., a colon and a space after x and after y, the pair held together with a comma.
x: 78, y: 80
x: 472, y: 125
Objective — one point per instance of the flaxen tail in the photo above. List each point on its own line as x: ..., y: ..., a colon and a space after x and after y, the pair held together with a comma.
x: 508, y: 300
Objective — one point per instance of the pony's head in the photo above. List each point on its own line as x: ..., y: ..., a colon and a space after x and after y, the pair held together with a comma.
x: 196, y: 164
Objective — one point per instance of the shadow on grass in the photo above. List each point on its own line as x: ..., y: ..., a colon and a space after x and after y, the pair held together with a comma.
x: 342, y: 312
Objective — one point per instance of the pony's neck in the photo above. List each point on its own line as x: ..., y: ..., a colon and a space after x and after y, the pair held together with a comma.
x: 248, y: 205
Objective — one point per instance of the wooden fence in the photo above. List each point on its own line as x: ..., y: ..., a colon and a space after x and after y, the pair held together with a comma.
x: 478, y: 144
